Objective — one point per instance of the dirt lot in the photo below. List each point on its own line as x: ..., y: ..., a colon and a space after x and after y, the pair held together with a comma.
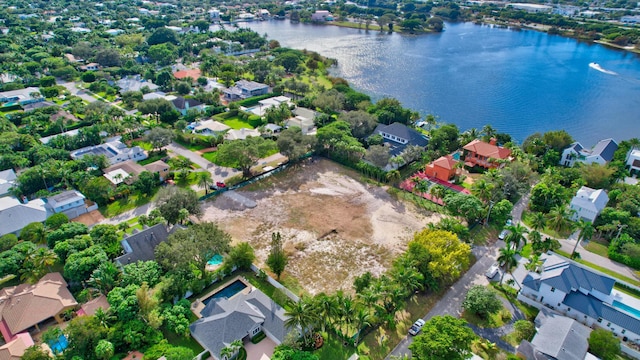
x: 334, y: 226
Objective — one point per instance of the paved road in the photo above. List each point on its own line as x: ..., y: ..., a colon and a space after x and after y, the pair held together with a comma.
x: 218, y: 173
x: 568, y: 244
x: 451, y: 303
x: 71, y: 86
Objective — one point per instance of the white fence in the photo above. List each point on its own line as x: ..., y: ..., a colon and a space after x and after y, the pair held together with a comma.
x: 276, y: 284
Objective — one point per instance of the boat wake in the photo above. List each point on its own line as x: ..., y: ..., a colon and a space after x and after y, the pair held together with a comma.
x: 597, y: 66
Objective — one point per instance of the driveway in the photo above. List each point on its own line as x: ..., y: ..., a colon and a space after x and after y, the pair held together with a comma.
x: 451, y: 303
x: 256, y: 351
x: 218, y: 173
x: 71, y: 86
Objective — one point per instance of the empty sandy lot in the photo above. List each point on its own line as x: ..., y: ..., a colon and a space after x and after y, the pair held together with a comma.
x: 334, y: 226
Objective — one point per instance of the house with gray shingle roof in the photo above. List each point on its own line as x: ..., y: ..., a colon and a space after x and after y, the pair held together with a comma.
x: 557, y: 337
x: 244, y: 315
x: 245, y: 89
x: 7, y: 180
x: 15, y: 215
x: 601, y: 153
x: 398, y: 136
x: 581, y: 294
x: 141, y: 245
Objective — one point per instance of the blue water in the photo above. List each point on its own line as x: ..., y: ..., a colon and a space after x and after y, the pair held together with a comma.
x: 60, y: 345
x: 217, y: 259
x: 627, y: 308
x: 520, y: 82
x: 232, y: 289
x: 456, y: 156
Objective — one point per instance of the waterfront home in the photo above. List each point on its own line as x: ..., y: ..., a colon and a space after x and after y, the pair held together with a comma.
x: 141, y: 246
x: 321, y: 16
x: 25, y: 307
x: 15, y: 215
x: 601, y: 153
x: 264, y: 105
x: 239, y: 317
x: 443, y: 168
x: 588, y: 204
x: 244, y: 89
x: 71, y: 203
x: 581, y: 294
x: 307, y: 126
x: 398, y: 136
x: 557, y: 337
x: 7, y: 180
x: 485, y: 155
x: 633, y: 161
x: 115, y: 151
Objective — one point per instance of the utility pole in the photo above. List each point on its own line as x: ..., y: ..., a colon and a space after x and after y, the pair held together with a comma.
x: 491, y: 203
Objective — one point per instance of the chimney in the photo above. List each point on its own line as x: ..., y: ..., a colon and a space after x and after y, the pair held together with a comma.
x: 493, y: 141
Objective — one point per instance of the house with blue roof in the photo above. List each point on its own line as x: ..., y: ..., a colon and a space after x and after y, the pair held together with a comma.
x: 581, y: 294
x: 601, y: 153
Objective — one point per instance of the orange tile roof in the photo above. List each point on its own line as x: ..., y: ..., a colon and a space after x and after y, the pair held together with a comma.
x: 487, y: 150
x: 192, y: 73
x: 445, y: 162
x: 25, y: 305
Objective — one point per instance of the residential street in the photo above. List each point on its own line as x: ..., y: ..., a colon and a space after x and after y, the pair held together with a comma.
x: 71, y: 86
x: 451, y: 303
x: 218, y: 173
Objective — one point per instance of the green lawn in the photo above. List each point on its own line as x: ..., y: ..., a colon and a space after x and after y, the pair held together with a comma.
x: 597, y: 248
x: 210, y: 156
x: 493, y: 321
x: 177, y: 340
x: 125, y: 204
x: 237, y: 123
x: 333, y: 349
x: 143, y: 144
x: 609, y: 272
x: 378, y: 343
x: 153, y: 157
x: 192, y: 147
x: 510, y: 294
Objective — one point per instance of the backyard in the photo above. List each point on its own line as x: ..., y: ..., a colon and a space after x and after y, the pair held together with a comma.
x: 334, y: 226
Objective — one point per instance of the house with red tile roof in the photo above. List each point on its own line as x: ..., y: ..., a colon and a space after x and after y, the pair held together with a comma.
x: 443, y: 168
x: 24, y: 307
x: 483, y: 154
x: 188, y: 73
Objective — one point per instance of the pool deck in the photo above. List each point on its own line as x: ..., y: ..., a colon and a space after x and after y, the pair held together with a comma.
x: 197, y: 306
x: 626, y: 299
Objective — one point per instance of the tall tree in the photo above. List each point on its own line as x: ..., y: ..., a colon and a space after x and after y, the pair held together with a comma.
x: 448, y: 255
x: 508, y: 259
x: 277, y: 259
x: 172, y: 199
x: 159, y: 137
x: 204, y: 180
x: 586, y: 232
x: 516, y: 235
x: 443, y: 338
x: 558, y: 219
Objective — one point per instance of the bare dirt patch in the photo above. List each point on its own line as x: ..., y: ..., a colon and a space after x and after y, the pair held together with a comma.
x: 334, y: 226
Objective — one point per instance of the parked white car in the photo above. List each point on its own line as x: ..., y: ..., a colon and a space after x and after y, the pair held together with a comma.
x: 416, y: 327
x: 493, y: 270
x: 503, y: 234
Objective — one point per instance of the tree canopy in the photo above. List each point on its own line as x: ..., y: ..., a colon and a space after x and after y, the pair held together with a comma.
x: 443, y: 338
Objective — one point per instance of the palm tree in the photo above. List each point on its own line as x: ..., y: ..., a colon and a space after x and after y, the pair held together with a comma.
x: 586, y: 232
x: 483, y: 190
x: 105, y: 318
x: 38, y: 263
x: 183, y: 215
x: 488, y: 131
x: 410, y: 279
x: 204, y: 179
x: 534, y: 263
x: 326, y: 307
x: 508, y: 260
x: 536, y: 241
x: 236, y: 345
x: 299, y: 316
x: 558, y: 218
x: 393, y: 176
x: 438, y: 191
x: 422, y: 187
x: 538, y: 221
x: 516, y: 235
x: 363, y: 319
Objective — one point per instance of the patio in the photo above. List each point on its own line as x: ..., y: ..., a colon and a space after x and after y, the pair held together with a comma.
x: 256, y: 351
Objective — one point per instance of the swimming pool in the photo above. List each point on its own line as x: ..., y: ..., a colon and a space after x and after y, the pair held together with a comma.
x: 59, y: 345
x: 215, y: 260
x: 456, y: 155
x: 624, y: 307
x: 227, y: 292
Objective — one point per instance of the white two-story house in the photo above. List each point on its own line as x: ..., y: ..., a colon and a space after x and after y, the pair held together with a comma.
x: 588, y: 204
x: 601, y: 153
x: 579, y: 293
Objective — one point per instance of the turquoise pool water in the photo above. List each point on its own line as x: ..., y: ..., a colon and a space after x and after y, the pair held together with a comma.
x: 215, y: 260
x: 59, y: 345
x: 230, y: 290
x: 456, y: 155
x: 627, y: 308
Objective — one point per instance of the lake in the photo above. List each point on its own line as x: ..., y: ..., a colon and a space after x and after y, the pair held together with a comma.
x: 520, y: 82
